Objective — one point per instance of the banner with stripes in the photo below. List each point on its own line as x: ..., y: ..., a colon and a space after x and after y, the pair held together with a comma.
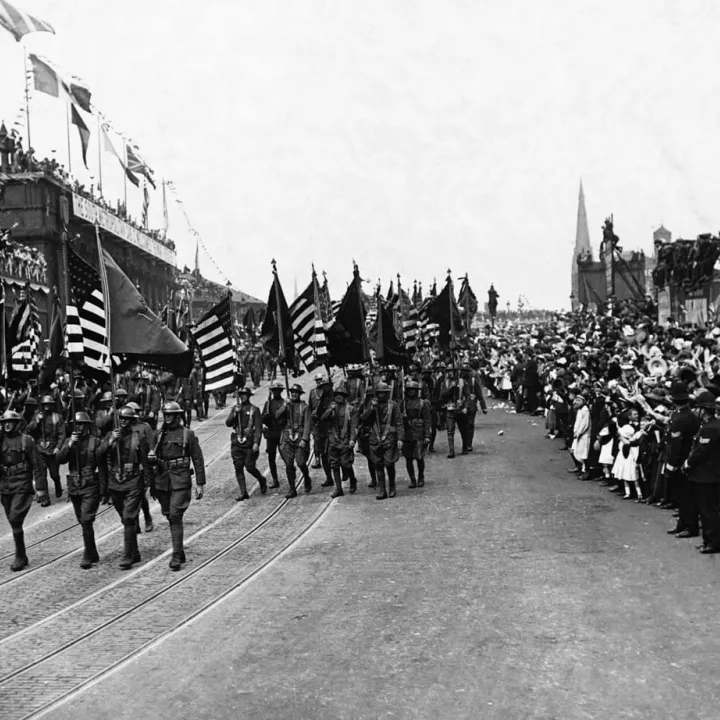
x: 19, y: 23
x: 308, y: 327
x: 86, y: 318
x: 25, y: 331
x: 214, y: 341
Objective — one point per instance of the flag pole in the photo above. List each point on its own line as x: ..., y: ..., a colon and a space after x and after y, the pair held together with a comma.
x: 67, y: 132
x: 281, y: 336
x: 467, y: 304
x: 27, y: 97
x: 125, y: 173
x: 99, y: 144
x: 106, y: 301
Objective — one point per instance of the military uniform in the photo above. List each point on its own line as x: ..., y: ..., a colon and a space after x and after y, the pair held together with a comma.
x: 386, y: 431
x: 20, y: 467
x: 178, y: 454
x: 85, y: 487
x: 48, y: 430
x: 245, y: 438
x: 451, y: 394
x: 472, y: 395
x: 703, y: 466
x: 273, y: 431
x: 416, y: 418
x: 129, y: 474
x: 319, y: 401
x: 295, y: 439
x: 342, y: 422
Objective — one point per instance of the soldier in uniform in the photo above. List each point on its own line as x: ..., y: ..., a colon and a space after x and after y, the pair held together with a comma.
x: 48, y: 431
x: 342, y: 422
x: 103, y: 416
x: 144, y: 428
x: 436, y: 403
x: 295, y: 439
x: 147, y: 398
x: 245, y: 421
x: 471, y: 394
x: 355, y: 386
x: 703, y: 471
x: 19, y: 467
x: 386, y: 437
x: 416, y: 418
x: 273, y: 427
x: 455, y: 412
x: 81, y: 452
x: 363, y: 438
x: 30, y: 410
x: 319, y: 401
x: 682, y: 428
x: 177, y: 448
x: 126, y: 453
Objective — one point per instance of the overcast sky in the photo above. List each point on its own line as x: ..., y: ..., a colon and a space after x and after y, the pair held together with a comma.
x: 410, y: 136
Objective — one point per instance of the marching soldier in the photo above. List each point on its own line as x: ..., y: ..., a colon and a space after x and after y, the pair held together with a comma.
x: 386, y: 437
x: 147, y: 398
x: 436, y: 403
x: 365, y: 422
x: 148, y: 433
x: 416, y: 417
x: 177, y: 448
x: 355, y: 386
x: 48, y: 430
x: 19, y: 467
x: 126, y: 453
x: 105, y: 417
x: 30, y: 410
x: 471, y: 394
x: 273, y: 427
x: 81, y: 452
x: 341, y: 420
x: 295, y: 439
x: 319, y: 401
x: 244, y: 418
x: 455, y: 412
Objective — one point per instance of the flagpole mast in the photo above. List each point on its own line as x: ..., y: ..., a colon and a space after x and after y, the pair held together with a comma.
x: 67, y: 132
x: 281, y: 336
x: 27, y: 97
x: 99, y: 144
x: 106, y: 301
x: 452, y: 326
x: 125, y: 173
x: 467, y: 304
x: 358, y: 287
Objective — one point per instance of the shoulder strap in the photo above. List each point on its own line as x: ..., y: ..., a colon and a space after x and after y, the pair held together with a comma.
x: 186, y: 440
x: 23, y: 442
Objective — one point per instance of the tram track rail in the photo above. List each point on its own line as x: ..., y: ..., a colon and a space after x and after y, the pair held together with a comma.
x: 129, y: 629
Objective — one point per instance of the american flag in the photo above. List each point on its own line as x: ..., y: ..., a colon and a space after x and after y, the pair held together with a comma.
x: 308, y: 329
x: 19, y: 23
x: 428, y: 331
x: 25, y: 330
x: 87, y: 340
x: 214, y: 340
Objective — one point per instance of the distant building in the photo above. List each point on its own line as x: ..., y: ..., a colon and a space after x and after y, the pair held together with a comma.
x: 582, y: 248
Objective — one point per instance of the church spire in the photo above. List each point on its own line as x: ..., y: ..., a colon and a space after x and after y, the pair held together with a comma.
x: 582, y: 245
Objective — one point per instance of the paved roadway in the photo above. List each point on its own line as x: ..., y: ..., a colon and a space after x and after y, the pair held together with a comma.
x: 503, y: 589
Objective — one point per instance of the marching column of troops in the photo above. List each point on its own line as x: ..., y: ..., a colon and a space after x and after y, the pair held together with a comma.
x: 117, y: 455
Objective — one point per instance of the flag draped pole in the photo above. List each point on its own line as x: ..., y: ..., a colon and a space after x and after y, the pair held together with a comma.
x: 27, y: 97
x: 278, y: 319
x: 106, y: 300
x: 99, y: 144
x: 67, y: 132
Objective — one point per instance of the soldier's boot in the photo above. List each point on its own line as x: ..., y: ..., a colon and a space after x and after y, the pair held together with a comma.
x: 338, y: 491
x: 373, y: 474
x: 137, y: 526
x: 243, y: 494
x: 129, y: 541
x: 317, y: 464
x: 307, y: 482
x: 21, y: 559
x: 451, y: 444
x: 353, y: 480
x: 146, y: 514
x: 135, y: 550
x: 328, y: 472
x: 391, y: 480
x: 292, y: 492
x: 421, y: 473
x: 178, y: 553
x: 433, y: 435
x: 273, y: 472
x: 90, y: 555
x: 411, y: 472
x: 58, y: 488
x: 262, y: 482
x: 382, y: 494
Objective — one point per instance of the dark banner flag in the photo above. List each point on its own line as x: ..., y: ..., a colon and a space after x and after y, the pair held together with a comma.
x: 277, y: 324
x: 347, y: 336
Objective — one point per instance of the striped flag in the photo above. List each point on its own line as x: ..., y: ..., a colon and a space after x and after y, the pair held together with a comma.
x: 19, y: 23
x: 308, y: 329
x: 25, y: 330
x: 214, y: 341
x: 86, y: 318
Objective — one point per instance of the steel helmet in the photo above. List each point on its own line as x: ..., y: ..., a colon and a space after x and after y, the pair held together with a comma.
x: 382, y: 388
x: 47, y: 400
x: 82, y: 417
x: 106, y: 397
x: 296, y: 388
x: 31, y: 401
x: 10, y: 416
x: 245, y: 391
x: 133, y: 405
x: 172, y: 408
x: 340, y: 389
x: 412, y: 385
x: 277, y: 385
x: 121, y: 393
x: 127, y: 413
x: 319, y: 377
